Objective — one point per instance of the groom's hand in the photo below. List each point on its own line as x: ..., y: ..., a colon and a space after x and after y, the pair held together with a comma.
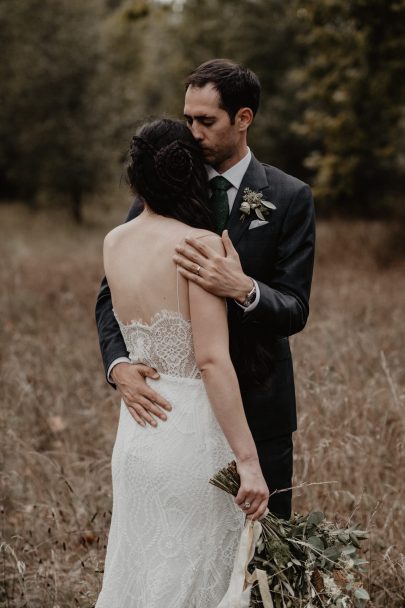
x: 220, y: 275
x: 141, y: 400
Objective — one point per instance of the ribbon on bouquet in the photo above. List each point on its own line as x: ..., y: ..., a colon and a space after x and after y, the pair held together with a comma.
x: 240, y: 584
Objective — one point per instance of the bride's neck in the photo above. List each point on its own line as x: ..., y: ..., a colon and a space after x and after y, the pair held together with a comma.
x: 148, y: 210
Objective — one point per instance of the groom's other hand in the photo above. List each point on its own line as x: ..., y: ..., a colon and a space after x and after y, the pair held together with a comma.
x: 141, y: 400
x: 220, y: 275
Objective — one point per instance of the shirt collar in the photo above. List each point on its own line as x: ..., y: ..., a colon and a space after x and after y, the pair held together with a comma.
x: 235, y: 174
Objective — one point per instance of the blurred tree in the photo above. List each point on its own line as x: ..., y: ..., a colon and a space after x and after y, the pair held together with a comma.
x: 80, y: 76
x: 50, y: 128
x: 135, y: 71
x: 353, y: 88
x: 261, y: 35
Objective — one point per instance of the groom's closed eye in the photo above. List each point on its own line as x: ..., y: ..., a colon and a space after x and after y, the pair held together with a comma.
x: 202, y: 120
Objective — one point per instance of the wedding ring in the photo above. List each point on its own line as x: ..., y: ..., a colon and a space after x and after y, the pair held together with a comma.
x: 198, y: 270
x: 246, y: 505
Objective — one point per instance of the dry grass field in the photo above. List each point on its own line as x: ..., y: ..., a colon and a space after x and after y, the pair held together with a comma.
x: 58, y: 417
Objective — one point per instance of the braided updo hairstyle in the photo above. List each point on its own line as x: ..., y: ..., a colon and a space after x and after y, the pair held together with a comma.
x: 166, y: 169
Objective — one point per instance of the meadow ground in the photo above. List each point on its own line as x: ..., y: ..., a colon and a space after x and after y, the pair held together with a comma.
x: 58, y: 417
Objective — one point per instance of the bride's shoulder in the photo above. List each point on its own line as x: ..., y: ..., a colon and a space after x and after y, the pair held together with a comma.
x: 115, y: 235
x: 207, y: 238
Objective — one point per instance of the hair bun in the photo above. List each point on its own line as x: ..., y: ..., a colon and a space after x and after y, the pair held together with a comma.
x: 174, y: 165
x: 139, y: 144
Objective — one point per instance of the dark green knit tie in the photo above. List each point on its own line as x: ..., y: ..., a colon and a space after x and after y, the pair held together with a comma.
x: 219, y: 200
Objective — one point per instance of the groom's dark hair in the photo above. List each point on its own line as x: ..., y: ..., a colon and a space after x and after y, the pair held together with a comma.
x: 238, y: 87
x: 166, y: 169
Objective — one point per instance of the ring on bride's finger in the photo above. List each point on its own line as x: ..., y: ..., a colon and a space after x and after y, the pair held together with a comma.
x: 247, y: 505
x: 198, y: 270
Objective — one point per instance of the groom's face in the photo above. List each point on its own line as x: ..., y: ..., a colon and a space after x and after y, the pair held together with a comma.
x: 211, y: 126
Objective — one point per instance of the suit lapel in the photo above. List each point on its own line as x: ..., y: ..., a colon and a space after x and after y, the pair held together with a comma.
x: 255, y: 179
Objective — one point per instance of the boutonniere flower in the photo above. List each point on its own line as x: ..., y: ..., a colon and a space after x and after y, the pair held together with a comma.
x: 253, y: 203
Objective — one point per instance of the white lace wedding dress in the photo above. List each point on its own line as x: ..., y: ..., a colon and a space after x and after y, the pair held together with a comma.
x: 173, y: 536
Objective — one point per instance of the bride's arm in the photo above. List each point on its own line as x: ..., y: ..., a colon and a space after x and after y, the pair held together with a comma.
x: 211, y: 345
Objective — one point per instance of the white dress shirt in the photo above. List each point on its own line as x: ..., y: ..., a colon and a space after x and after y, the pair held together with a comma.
x: 234, y: 175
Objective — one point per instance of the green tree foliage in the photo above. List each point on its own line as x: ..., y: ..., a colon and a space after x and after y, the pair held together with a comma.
x: 261, y: 35
x: 352, y: 87
x: 50, y: 137
x: 78, y: 77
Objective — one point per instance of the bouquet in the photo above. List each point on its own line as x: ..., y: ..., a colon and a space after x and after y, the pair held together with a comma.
x: 306, y: 562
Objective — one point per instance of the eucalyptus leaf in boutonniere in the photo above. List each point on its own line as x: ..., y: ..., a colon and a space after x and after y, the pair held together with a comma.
x: 253, y: 203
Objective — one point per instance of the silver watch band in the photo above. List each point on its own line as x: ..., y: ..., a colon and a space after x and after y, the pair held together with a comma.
x: 250, y: 296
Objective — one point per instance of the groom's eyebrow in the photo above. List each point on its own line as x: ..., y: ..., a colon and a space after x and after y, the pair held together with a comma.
x: 199, y: 117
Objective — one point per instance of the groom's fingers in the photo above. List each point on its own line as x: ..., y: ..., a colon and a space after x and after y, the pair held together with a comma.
x: 192, y: 276
x: 204, y: 250
x: 146, y: 406
x: 191, y: 267
x: 184, y: 262
x: 135, y: 415
x: 190, y: 254
x: 142, y: 414
x: 228, y: 245
x: 154, y: 397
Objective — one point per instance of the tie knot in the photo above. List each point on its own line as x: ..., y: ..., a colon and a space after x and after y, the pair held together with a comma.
x: 220, y: 183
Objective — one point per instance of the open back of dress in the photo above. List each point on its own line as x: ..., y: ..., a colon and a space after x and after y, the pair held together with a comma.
x: 173, y: 536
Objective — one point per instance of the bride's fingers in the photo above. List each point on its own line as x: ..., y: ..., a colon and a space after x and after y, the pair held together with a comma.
x: 240, y: 497
x: 253, y: 505
x: 258, y: 510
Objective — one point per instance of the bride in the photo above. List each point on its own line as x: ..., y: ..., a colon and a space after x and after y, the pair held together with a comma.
x: 173, y: 536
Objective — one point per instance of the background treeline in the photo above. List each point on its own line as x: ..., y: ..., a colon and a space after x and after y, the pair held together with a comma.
x: 77, y: 77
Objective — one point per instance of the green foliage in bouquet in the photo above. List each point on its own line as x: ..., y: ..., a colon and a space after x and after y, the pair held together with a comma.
x: 309, y: 562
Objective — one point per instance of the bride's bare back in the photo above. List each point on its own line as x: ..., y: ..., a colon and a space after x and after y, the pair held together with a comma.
x: 138, y: 261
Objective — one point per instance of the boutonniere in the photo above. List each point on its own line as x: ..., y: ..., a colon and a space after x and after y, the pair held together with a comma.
x: 253, y: 202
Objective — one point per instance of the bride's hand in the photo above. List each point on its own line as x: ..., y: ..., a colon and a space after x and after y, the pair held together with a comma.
x: 141, y: 400
x: 253, y: 489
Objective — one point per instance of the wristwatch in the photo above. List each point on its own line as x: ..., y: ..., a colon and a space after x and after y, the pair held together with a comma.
x: 250, y: 297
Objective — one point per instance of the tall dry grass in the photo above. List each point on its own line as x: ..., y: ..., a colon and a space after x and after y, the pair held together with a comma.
x: 58, y: 416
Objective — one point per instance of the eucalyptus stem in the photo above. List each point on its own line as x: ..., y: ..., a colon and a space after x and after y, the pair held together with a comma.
x: 308, y: 560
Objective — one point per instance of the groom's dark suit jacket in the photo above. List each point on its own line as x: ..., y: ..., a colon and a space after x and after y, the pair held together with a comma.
x: 279, y: 255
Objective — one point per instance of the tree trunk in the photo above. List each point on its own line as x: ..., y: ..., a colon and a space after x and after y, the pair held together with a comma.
x: 77, y: 206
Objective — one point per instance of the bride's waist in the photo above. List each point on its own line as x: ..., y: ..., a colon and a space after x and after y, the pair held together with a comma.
x: 174, y: 379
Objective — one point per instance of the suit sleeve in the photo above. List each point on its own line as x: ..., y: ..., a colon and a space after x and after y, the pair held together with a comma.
x: 112, y: 343
x: 283, y: 306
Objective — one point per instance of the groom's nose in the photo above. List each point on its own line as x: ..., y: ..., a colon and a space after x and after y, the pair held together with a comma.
x: 197, y: 131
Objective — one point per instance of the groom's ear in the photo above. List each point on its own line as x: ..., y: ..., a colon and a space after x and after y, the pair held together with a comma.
x: 244, y: 118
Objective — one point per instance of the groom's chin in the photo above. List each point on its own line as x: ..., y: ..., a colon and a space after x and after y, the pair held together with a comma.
x: 209, y: 158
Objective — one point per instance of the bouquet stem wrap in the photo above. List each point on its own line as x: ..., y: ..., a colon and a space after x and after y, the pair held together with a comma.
x: 240, y: 584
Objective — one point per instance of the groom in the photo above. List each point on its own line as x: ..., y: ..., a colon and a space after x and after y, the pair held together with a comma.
x: 265, y: 276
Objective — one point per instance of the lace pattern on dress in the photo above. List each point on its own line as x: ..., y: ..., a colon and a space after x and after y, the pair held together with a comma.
x: 166, y: 343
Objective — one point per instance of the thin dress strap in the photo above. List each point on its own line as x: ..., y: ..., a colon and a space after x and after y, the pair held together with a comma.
x: 178, y: 296
x: 177, y: 270
x: 177, y: 279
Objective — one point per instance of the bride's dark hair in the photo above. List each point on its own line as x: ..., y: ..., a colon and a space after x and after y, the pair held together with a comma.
x: 166, y: 169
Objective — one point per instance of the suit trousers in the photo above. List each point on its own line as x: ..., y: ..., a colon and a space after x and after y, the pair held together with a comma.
x: 276, y: 461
